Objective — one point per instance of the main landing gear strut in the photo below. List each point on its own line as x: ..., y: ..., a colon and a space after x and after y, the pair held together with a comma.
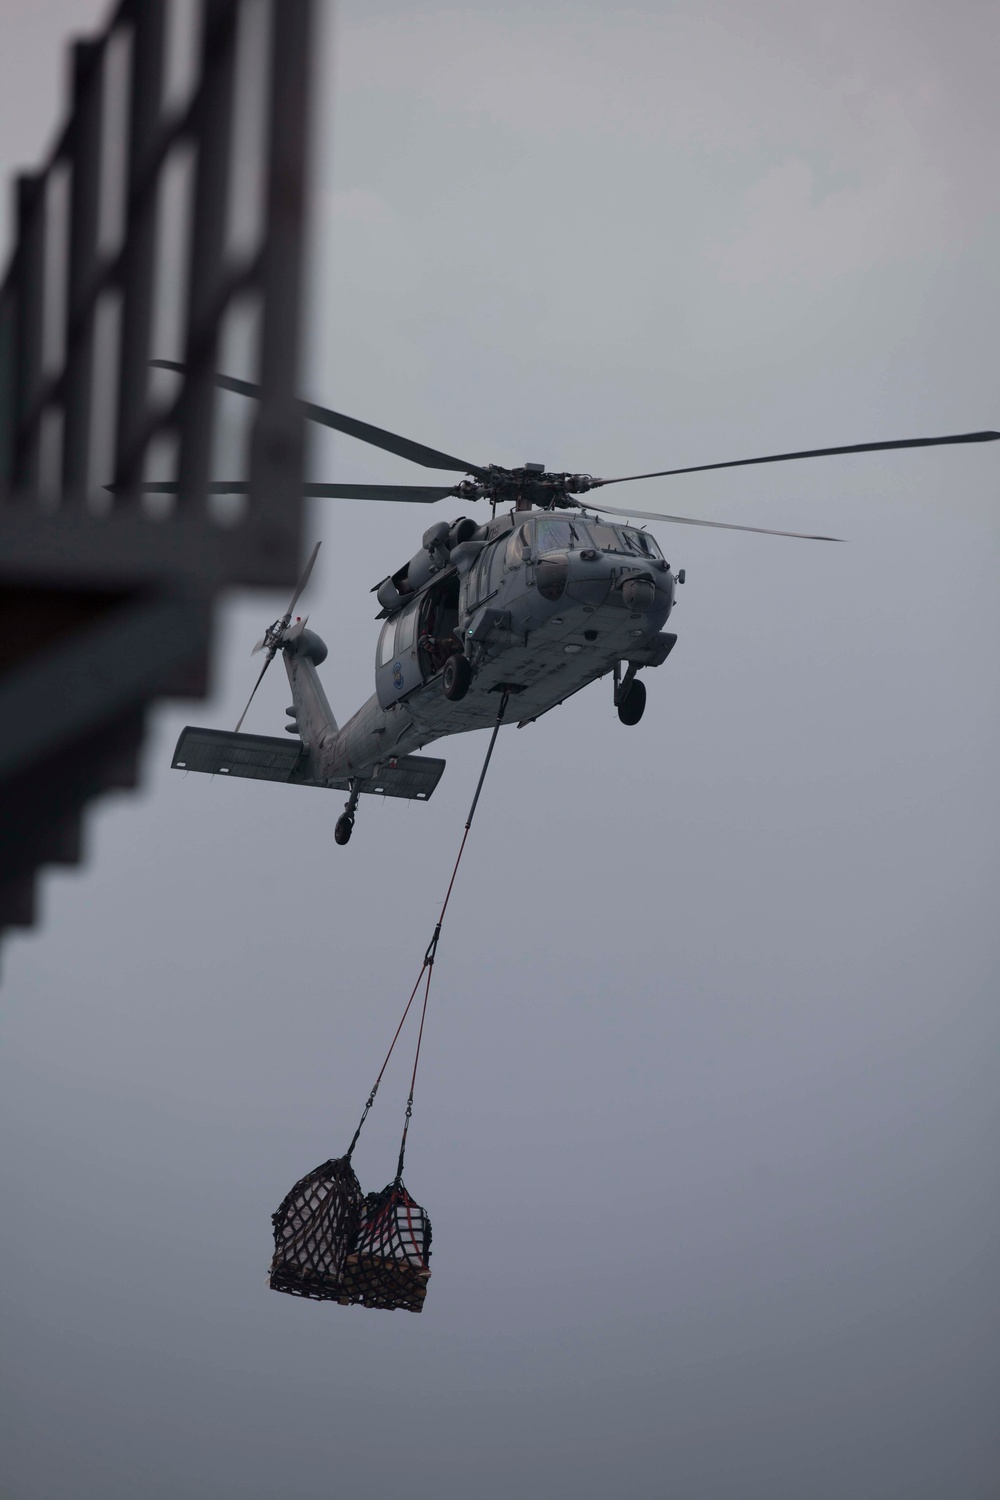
x: 630, y: 694
x: 345, y: 823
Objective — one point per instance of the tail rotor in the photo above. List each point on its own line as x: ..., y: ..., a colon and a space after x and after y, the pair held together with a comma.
x: 281, y: 631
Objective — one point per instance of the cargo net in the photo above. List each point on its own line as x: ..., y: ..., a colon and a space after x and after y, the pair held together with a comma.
x: 315, y: 1229
x: 388, y: 1265
x: 333, y: 1245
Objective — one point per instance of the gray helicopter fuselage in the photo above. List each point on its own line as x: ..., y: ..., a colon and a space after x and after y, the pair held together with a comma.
x: 539, y: 604
x: 527, y: 609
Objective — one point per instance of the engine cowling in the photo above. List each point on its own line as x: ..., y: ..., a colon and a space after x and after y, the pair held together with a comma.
x: 439, y: 542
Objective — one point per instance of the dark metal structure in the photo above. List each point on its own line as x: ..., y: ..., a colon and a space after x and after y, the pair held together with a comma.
x: 168, y: 221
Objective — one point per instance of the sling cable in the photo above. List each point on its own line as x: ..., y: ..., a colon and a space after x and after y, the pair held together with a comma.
x: 333, y: 1243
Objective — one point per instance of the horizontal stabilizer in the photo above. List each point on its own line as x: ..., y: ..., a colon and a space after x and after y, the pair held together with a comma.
x: 262, y: 757
x: 220, y: 752
x: 410, y: 776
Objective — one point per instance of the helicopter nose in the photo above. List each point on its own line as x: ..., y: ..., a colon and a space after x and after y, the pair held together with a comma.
x: 591, y: 577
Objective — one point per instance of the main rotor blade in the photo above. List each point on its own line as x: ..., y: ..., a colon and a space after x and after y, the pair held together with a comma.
x: 418, y: 453
x: 304, y: 579
x: 650, y: 515
x: 421, y: 494
x: 418, y: 494
x: 777, y: 458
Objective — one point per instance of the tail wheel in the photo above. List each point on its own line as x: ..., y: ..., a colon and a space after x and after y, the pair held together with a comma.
x: 456, y: 677
x: 633, y: 703
x: 344, y: 828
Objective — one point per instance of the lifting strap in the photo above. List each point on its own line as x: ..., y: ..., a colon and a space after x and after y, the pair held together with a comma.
x: 427, y: 968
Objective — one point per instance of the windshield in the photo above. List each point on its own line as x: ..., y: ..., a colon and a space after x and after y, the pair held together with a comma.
x: 622, y: 539
x: 555, y: 534
x: 639, y: 541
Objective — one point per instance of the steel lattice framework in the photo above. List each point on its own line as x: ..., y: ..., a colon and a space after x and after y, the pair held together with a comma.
x: 168, y: 222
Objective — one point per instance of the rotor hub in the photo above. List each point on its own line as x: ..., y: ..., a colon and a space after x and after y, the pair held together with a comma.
x: 530, y: 487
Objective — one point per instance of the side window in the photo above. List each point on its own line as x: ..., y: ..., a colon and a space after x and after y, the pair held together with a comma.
x: 479, y: 581
x: 386, y: 648
x: 496, y: 567
x: 405, y: 629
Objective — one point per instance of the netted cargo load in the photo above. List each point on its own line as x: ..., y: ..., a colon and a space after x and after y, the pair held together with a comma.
x: 388, y: 1266
x: 331, y: 1244
x: 315, y: 1229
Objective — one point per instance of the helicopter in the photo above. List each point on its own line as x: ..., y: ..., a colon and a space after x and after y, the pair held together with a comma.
x: 530, y: 607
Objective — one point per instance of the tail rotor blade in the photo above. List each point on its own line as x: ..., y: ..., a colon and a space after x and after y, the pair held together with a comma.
x: 272, y: 638
x: 302, y: 581
x: 267, y: 662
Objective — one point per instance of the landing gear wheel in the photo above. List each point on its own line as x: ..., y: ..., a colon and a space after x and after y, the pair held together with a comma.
x: 456, y: 677
x: 345, y: 827
x: 633, y: 703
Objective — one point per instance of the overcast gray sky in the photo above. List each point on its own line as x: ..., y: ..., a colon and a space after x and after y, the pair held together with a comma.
x: 707, y: 1119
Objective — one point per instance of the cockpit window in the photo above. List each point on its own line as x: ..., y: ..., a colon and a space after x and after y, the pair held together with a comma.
x: 639, y: 541
x: 555, y: 534
x: 609, y: 538
x: 605, y: 538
